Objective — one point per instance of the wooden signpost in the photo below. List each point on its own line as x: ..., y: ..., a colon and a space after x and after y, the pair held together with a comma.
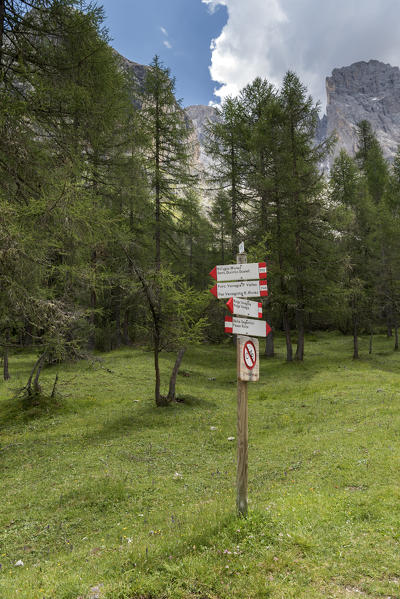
x: 240, y: 289
x: 243, y: 280
x: 243, y: 307
x: 246, y: 326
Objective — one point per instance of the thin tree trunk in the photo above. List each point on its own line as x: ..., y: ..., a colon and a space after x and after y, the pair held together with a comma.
x: 157, y: 189
x: 300, y: 326
x: 355, y: 339
x: 286, y: 327
x: 159, y: 401
x: 125, y: 330
x: 6, y: 374
x: 2, y: 20
x: 389, y: 323
x: 53, y: 393
x: 36, y: 366
x: 234, y: 206
x: 175, y: 370
x: 371, y: 337
x: 396, y: 334
x: 36, y: 387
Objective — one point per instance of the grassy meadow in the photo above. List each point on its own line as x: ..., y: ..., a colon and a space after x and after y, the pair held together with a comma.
x: 105, y: 495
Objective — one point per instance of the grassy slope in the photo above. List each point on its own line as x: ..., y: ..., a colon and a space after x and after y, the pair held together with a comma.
x: 89, y: 492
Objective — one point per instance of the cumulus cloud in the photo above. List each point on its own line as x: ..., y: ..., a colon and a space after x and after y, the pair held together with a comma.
x: 269, y: 37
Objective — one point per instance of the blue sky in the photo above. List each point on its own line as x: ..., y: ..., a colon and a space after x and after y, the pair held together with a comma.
x: 253, y: 38
x: 179, y: 31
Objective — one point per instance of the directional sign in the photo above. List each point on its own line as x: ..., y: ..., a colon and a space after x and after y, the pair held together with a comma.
x: 240, y: 289
x: 239, y: 272
x: 246, y: 326
x: 243, y: 307
x: 248, y: 359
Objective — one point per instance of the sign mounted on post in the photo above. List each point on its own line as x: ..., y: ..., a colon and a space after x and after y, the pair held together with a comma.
x: 240, y: 289
x: 246, y: 326
x: 243, y: 307
x: 239, y: 272
x: 248, y: 367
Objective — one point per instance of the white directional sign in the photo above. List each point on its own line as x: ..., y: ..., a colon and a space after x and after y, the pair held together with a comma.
x: 246, y: 326
x: 240, y: 289
x: 243, y: 307
x: 239, y: 272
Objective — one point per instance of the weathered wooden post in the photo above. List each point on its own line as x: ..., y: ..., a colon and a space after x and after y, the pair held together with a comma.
x: 242, y: 425
x: 238, y: 282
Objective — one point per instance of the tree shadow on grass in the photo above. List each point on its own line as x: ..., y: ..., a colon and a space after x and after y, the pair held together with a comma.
x: 23, y: 410
x: 148, y: 418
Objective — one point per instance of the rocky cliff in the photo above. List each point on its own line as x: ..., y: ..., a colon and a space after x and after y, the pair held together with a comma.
x: 364, y: 90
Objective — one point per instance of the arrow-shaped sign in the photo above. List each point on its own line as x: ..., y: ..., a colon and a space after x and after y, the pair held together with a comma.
x: 239, y: 272
x: 243, y: 307
x: 240, y: 289
x: 246, y: 326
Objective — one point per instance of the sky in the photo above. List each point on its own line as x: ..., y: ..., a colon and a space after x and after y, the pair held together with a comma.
x: 215, y: 47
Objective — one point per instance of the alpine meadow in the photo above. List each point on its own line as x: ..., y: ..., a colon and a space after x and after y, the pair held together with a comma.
x: 158, y: 441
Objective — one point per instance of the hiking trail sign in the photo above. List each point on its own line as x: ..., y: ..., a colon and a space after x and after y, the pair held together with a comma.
x: 246, y: 326
x: 240, y: 289
x: 239, y: 272
x: 243, y: 307
x: 238, y: 282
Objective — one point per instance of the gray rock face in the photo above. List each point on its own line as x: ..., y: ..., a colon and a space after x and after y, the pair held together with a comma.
x: 199, y: 116
x: 364, y: 90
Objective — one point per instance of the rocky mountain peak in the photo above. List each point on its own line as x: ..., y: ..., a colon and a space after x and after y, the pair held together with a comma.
x: 364, y: 90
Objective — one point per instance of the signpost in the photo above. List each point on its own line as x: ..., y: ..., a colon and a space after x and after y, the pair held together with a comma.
x: 237, y: 282
x: 240, y: 288
x: 243, y: 307
x: 239, y: 272
x: 246, y: 326
x: 248, y: 359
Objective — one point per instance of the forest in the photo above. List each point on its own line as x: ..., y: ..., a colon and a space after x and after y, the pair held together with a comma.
x: 108, y: 232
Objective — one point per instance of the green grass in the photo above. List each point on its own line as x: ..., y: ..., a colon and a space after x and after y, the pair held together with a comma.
x: 90, y: 497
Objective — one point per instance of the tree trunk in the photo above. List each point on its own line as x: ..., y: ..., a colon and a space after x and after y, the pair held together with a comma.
x: 159, y: 400
x: 396, y: 335
x: 37, y: 367
x: 286, y: 327
x: 6, y: 374
x: 355, y: 329
x: 125, y: 331
x: 2, y: 20
x: 371, y: 337
x: 389, y: 324
x: 174, y: 374
x: 269, y: 344
x: 355, y: 340
x: 300, y: 333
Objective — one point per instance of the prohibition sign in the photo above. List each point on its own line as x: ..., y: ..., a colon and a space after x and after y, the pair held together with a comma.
x: 249, y: 355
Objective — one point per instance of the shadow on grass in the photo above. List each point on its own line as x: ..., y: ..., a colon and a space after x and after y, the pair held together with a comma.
x: 150, y: 417
x: 23, y: 410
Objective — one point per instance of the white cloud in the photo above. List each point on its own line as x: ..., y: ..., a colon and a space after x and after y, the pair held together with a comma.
x: 167, y: 44
x: 164, y: 31
x: 269, y: 37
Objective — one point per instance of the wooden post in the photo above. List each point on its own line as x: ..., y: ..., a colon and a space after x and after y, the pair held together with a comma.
x: 242, y: 429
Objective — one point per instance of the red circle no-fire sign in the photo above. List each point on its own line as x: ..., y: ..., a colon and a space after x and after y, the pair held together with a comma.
x: 249, y: 355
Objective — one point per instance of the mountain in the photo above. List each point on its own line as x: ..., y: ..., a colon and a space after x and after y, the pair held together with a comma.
x: 364, y: 90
